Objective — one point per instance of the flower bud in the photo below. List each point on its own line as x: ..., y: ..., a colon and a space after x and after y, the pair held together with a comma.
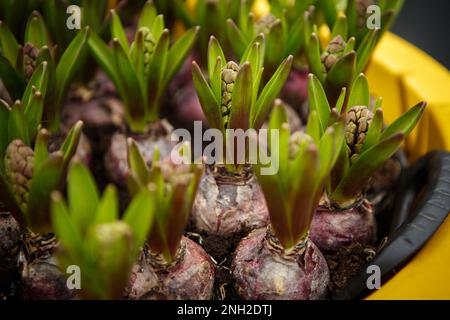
x: 229, y: 75
x: 19, y: 166
x: 30, y: 54
x: 333, y: 52
x: 357, y: 125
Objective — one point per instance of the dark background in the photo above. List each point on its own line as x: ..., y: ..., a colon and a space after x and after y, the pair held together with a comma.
x: 426, y: 24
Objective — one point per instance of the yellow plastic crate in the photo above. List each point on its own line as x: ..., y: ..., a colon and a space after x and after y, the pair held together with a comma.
x: 403, y: 75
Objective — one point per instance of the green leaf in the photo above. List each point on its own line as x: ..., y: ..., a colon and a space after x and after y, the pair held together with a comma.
x: 361, y: 171
x: 278, y: 116
x: 318, y: 101
x: 340, y: 76
x: 41, y: 148
x: 340, y: 27
x: 329, y: 9
x: 4, y: 119
x: 270, y: 93
x: 157, y: 72
x: 308, y: 28
x: 17, y: 125
x: 274, y: 195
x: 313, y: 128
x: 216, y: 80
x: 148, y: 15
x: 359, y: 93
x: 8, y: 43
x: 83, y: 196
x: 329, y: 147
x: 93, y: 13
x: 374, y: 132
x: 315, y: 62
x: 68, y: 66
x: 137, y: 57
x: 365, y: 50
x: 139, y: 216
x: 340, y: 169
x: 255, y: 55
x: 104, y: 57
x: 130, y: 89
x: 305, y: 187
x: 209, y: 104
x: 295, y: 41
x: 377, y: 104
x: 275, y: 44
x: 64, y: 228
x: 33, y: 114
x: 250, y: 53
x: 241, y: 100
x: 350, y: 46
x: 46, y: 55
x: 178, y: 53
x: 118, y: 32
x: 38, y: 82
x: 36, y: 31
x: 406, y: 123
x: 214, y: 51
x: 340, y: 101
x: 108, y: 207
x: 12, y: 80
x: 45, y: 181
x: 351, y: 17
x: 70, y: 145
x: 237, y: 38
x: 158, y: 28
x: 136, y: 162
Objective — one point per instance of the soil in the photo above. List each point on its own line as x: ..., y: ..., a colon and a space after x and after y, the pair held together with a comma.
x: 221, y: 250
x: 10, y: 235
x: 346, y: 263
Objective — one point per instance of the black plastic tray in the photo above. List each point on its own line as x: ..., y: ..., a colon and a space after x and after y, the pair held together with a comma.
x: 420, y: 206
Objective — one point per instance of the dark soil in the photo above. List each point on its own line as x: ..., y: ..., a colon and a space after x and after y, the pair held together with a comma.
x: 346, y: 263
x: 221, y: 250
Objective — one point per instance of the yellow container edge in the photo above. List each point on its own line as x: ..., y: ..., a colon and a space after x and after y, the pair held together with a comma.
x: 402, y: 72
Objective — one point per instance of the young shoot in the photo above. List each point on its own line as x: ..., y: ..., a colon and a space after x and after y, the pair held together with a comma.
x: 368, y: 144
x: 233, y: 99
x: 173, y: 187
x: 28, y: 172
x: 306, y: 160
x: 92, y: 236
x: 142, y: 70
x: 18, y: 63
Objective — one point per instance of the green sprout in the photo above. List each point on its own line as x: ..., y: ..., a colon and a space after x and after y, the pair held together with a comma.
x: 28, y: 172
x: 142, y: 71
x: 284, y: 35
x: 18, y: 63
x: 351, y: 45
x: 174, y: 188
x: 337, y: 65
x: 232, y: 99
x: 92, y: 236
x: 305, y: 162
x: 367, y: 143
